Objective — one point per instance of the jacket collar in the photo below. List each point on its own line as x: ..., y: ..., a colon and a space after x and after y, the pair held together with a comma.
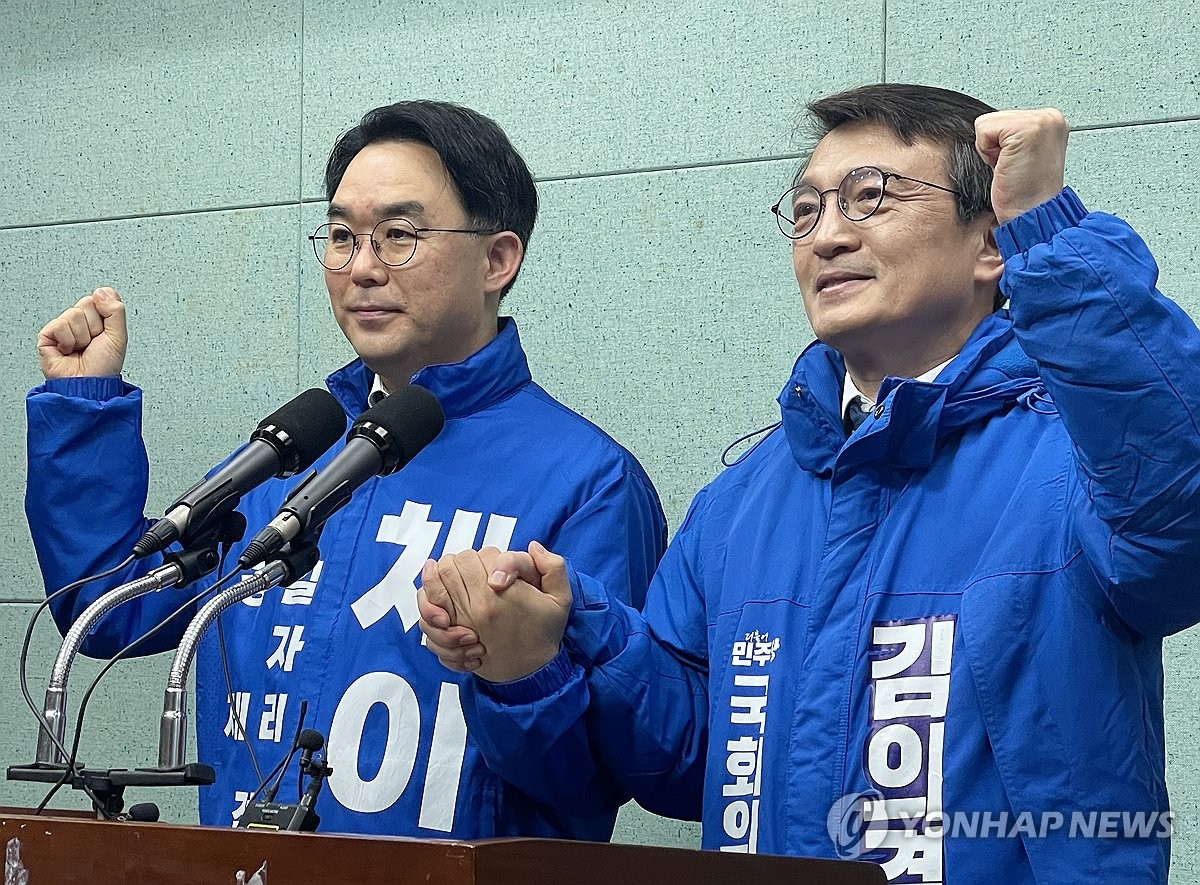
x: 494, y: 372
x: 911, y: 417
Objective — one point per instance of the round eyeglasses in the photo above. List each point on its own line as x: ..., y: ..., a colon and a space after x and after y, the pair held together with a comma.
x: 393, y: 239
x: 859, y: 196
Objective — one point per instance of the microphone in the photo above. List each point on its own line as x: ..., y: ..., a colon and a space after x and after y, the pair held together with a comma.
x: 305, y: 816
x: 309, y: 742
x: 271, y: 815
x: 381, y: 441
x: 142, y: 812
x: 285, y: 442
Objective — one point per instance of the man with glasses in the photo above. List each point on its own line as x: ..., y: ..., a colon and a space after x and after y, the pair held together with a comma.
x: 430, y: 213
x: 921, y: 622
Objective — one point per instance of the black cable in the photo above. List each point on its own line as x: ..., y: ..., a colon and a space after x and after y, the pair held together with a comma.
x: 281, y: 768
x: 119, y: 656
x: 23, y: 667
x: 237, y: 718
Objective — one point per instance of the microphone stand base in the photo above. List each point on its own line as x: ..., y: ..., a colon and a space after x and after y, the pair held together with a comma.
x: 108, y: 785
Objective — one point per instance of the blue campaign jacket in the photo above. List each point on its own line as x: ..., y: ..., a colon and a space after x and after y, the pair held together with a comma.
x: 957, y: 611
x: 345, y: 639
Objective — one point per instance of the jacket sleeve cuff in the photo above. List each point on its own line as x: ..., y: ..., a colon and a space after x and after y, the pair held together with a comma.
x: 537, y: 685
x: 100, y: 388
x: 1040, y: 224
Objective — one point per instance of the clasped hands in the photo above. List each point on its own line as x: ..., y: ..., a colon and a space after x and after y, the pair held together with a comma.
x: 498, y: 615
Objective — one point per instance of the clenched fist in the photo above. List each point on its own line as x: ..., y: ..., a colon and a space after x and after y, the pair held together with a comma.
x: 86, y: 340
x: 1027, y: 149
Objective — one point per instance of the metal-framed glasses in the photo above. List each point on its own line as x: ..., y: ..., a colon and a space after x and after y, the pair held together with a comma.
x: 859, y: 196
x: 393, y: 239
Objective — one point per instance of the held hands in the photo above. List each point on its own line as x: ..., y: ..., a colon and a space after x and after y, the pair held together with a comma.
x: 499, y: 615
x: 1028, y: 151
x: 86, y: 340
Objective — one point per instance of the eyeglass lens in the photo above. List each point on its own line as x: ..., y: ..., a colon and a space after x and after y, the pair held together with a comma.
x: 393, y: 239
x: 858, y: 196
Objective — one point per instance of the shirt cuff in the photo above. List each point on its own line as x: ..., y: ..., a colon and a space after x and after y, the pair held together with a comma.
x: 537, y: 685
x: 100, y: 388
x: 1040, y: 224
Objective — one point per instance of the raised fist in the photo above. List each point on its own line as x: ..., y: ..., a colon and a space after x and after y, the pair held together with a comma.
x: 86, y: 340
x: 1027, y: 150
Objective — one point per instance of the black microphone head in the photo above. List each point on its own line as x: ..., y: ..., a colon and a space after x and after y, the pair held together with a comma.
x: 303, y: 429
x: 404, y: 423
x: 146, y: 812
x: 310, y: 740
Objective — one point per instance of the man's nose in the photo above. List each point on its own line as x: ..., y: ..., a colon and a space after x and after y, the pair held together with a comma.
x: 364, y: 262
x: 834, y: 231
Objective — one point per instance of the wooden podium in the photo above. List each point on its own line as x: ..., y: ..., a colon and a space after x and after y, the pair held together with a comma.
x: 68, y: 850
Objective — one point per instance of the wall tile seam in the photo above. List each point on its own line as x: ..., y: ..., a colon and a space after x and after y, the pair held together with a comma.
x: 315, y: 201
x: 172, y: 213
x: 1133, y: 124
x: 549, y: 179
x: 677, y: 167
x: 301, y: 161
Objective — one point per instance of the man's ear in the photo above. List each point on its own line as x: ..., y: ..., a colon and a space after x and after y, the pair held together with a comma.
x: 504, y: 255
x: 989, y: 265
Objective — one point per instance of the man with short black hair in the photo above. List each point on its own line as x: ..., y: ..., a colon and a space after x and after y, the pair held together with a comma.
x: 921, y: 622
x: 430, y: 213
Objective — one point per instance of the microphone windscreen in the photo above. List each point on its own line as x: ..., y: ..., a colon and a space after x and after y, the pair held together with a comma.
x: 146, y: 812
x: 411, y: 418
x: 310, y: 740
x: 313, y: 421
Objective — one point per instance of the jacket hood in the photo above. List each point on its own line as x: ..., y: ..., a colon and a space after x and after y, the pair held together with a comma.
x: 990, y: 375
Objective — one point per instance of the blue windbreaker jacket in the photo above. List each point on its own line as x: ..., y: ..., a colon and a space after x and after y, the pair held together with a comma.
x: 345, y: 638
x: 949, y: 623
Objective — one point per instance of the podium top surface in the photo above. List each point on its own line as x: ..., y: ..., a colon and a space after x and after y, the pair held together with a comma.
x: 67, y: 850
